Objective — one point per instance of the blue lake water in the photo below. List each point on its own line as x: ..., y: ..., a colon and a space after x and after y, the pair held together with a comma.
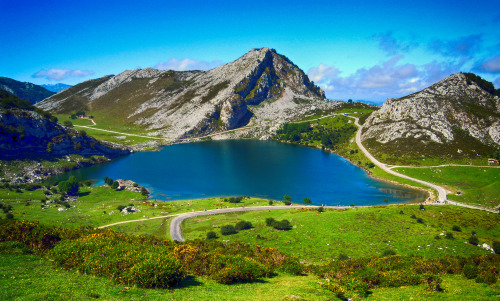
x: 265, y: 169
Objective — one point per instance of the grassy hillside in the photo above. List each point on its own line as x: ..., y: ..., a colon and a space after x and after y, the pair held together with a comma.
x: 474, y: 185
x: 361, y: 232
x: 27, y: 91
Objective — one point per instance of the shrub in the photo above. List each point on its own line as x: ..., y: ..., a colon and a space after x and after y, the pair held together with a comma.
x: 437, y: 237
x: 419, y: 220
x: 496, y: 247
x: 449, y: 236
x: 287, y: 203
x: 144, y: 191
x: 230, y: 269
x: 70, y: 186
x: 9, y: 216
x: 234, y: 200
x: 68, y: 124
x: 288, y: 198
x: 156, y: 272
x: 342, y: 256
x: 135, y: 184
x: 413, y: 216
x: 473, y: 240
x: 321, y: 209
x: 271, y: 202
x: 291, y: 265
x: 388, y: 252
x: 282, y: 225
x: 211, y: 235
x: 270, y: 221
x: 470, y: 270
x: 243, y: 225
x: 121, y: 207
x: 228, y: 230
x: 421, y: 207
x: 401, y: 212
x: 307, y: 200
x: 115, y: 185
x: 456, y: 228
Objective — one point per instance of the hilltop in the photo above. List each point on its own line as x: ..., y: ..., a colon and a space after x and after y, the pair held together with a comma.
x: 455, y: 118
x: 262, y: 88
x: 24, y: 90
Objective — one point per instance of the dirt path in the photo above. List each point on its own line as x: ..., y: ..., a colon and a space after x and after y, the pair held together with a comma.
x: 441, y: 191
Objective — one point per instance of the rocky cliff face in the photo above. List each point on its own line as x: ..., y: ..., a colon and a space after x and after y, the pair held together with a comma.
x: 262, y: 87
x: 454, y: 111
x: 27, y: 134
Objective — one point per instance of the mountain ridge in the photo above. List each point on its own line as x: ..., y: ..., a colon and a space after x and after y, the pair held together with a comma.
x: 24, y: 90
x: 261, y: 87
x: 455, y: 113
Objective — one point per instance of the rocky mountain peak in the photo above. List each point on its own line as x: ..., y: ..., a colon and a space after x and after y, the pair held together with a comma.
x: 260, y: 85
x: 454, y: 110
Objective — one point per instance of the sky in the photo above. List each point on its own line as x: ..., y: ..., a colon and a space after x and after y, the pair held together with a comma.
x: 358, y: 49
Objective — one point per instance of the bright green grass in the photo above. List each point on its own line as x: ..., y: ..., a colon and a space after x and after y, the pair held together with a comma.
x: 478, y: 186
x: 25, y: 277
x: 360, y: 232
x: 28, y: 277
x: 96, y: 206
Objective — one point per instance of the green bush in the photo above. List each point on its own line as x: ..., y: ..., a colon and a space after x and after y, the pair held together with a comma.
x: 470, y: 270
x: 230, y: 269
x: 456, y: 228
x: 270, y: 221
x: 389, y: 252
x: 156, y: 272
x: 320, y: 209
x: 211, y: 235
x: 307, y: 200
x: 271, y: 202
x: 70, y: 186
x: 473, y: 240
x: 228, y: 230
x: 420, y: 221
x: 496, y: 247
x: 287, y: 203
x: 291, y: 265
x: 449, y: 236
x: 243, y: 225
x: 282, y: 225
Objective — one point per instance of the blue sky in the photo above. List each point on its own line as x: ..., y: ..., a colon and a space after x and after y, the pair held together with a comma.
x: 353, y: 49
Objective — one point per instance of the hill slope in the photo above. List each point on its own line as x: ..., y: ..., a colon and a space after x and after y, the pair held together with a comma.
x: 26, y: 132
x: 262, y: 86
x: 24, y: 90
x: 455, y: 117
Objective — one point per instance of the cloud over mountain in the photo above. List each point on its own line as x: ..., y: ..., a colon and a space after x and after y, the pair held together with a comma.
x: 61, y: 74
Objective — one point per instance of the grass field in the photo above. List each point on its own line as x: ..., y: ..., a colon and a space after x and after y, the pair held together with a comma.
x: 477, y: 186
x: 36, y: 278
x: 97, y: 206
x: 360, y: 232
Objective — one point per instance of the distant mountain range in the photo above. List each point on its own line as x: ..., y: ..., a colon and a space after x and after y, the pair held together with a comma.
x: 56, y: 87
x: 24, y: 90
x: 457, y: 116
x: 261, y: 88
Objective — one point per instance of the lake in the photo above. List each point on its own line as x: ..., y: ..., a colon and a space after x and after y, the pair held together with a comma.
x: 266, y: 169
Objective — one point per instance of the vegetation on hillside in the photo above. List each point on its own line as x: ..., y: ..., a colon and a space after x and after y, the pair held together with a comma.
x: 28, y: 91
x: 482, y: 83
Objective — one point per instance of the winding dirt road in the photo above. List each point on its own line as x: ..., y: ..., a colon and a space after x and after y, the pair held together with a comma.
x: 441, y: 191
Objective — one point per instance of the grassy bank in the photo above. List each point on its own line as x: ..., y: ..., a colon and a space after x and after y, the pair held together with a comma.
x: 470, y: 185
x: 359, y: 232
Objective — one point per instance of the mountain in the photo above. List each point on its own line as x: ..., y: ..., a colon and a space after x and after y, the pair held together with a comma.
x: 24, y: 90
x: 262, y: 88
x: 56, y: 87
x: 28, y: 132
x: 458, y: 116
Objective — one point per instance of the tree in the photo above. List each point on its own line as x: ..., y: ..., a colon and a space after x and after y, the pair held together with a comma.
x: 68, y: 124
x: 82, y: 133
x: 115, y: 185
x: 144, y: 191
x: 307, y: 200
x: 70, y: 186
x: 349, y: 101
x: 243, y: 225
x: 286, y: 197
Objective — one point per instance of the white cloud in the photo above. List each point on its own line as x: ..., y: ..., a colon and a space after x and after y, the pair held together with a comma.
x: 61, y: 74
x: 491, y: 66
x: 187, y: 64
x: 376, y: 83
